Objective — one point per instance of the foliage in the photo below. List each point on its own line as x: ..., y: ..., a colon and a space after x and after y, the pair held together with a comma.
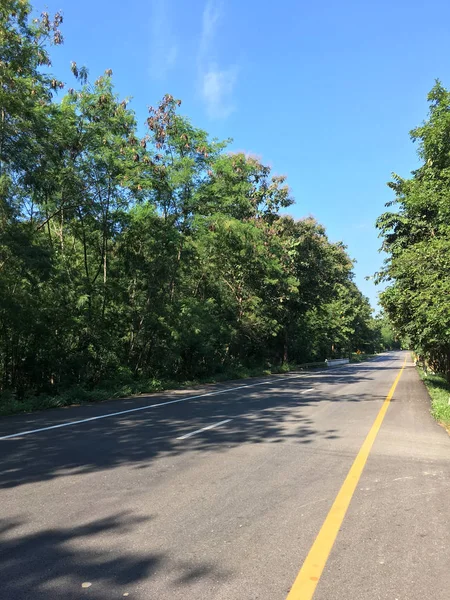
x: 439, y: 391
x: 388, y: 338
x: 128, y: 260
x: 358, y: 357
x: 417, y: 239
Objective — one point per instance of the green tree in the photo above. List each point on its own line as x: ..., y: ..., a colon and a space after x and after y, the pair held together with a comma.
x: 417, y: 239
x: 126, y: 258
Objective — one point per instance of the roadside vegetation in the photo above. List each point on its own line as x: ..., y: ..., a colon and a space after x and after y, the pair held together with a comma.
x: 439, y: 390
x: 416, y: 238
x: 357, y: 357
x: 137, y: 256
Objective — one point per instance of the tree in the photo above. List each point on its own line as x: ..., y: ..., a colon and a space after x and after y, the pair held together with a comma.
x: 417, y: 240
x: 135, y: 258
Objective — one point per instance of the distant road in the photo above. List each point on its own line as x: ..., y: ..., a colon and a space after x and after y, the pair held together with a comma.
x: 224, y: 493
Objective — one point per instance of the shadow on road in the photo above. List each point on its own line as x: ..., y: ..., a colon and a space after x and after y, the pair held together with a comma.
x: 57, y: 562
x: 268, y: 413
x: 39, y: 561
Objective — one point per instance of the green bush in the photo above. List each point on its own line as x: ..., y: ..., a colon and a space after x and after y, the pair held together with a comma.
x: 439, y: 391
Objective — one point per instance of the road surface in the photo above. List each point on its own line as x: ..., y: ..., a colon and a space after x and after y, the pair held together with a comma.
x: 219, y: 493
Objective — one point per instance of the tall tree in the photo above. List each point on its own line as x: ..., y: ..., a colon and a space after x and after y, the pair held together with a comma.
x: 417, y: 239
x: 135, y: 257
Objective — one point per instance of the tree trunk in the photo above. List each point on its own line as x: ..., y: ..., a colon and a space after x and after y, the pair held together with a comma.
x: 286, y: 346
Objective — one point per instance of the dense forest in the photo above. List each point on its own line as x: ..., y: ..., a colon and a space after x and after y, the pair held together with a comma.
x: 142, y: 253
x: 416, y: 236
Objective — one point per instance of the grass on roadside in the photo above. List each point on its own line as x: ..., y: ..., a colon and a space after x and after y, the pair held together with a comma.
x: 357, y: 358
x: 439, y: 391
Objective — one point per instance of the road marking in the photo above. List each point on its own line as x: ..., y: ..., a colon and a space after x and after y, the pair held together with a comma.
x: 309, y: 575
x: 188, y: 435
x: 131, y: 410
x: 148, y: 406
x: 309, y: 390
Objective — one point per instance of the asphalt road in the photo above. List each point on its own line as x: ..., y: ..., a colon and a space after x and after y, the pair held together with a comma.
x: 122, y: 507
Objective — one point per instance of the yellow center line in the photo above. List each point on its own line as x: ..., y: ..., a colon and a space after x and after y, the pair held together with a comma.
x: 309, y: 575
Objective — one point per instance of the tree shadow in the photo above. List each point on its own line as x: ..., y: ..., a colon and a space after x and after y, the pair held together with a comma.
x: 48, y: 563
x: 270, y: 413
x: 55, y: 563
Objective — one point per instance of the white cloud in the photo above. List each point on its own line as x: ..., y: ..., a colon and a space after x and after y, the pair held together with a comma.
x: 212, y: 13
x: 163, y: 46
x: 217, y: 89
x: 216, y: 83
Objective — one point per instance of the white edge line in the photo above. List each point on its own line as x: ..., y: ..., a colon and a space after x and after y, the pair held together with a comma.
x: 131, y: 410
x: 188, y: 435
x: 148, y: 406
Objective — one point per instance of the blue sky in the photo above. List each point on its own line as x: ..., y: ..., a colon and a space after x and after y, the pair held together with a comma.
x: 324, y: 93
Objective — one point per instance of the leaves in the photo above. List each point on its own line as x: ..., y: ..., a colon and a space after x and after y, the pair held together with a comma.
x: 417, y: 240
x: 157, y: 255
